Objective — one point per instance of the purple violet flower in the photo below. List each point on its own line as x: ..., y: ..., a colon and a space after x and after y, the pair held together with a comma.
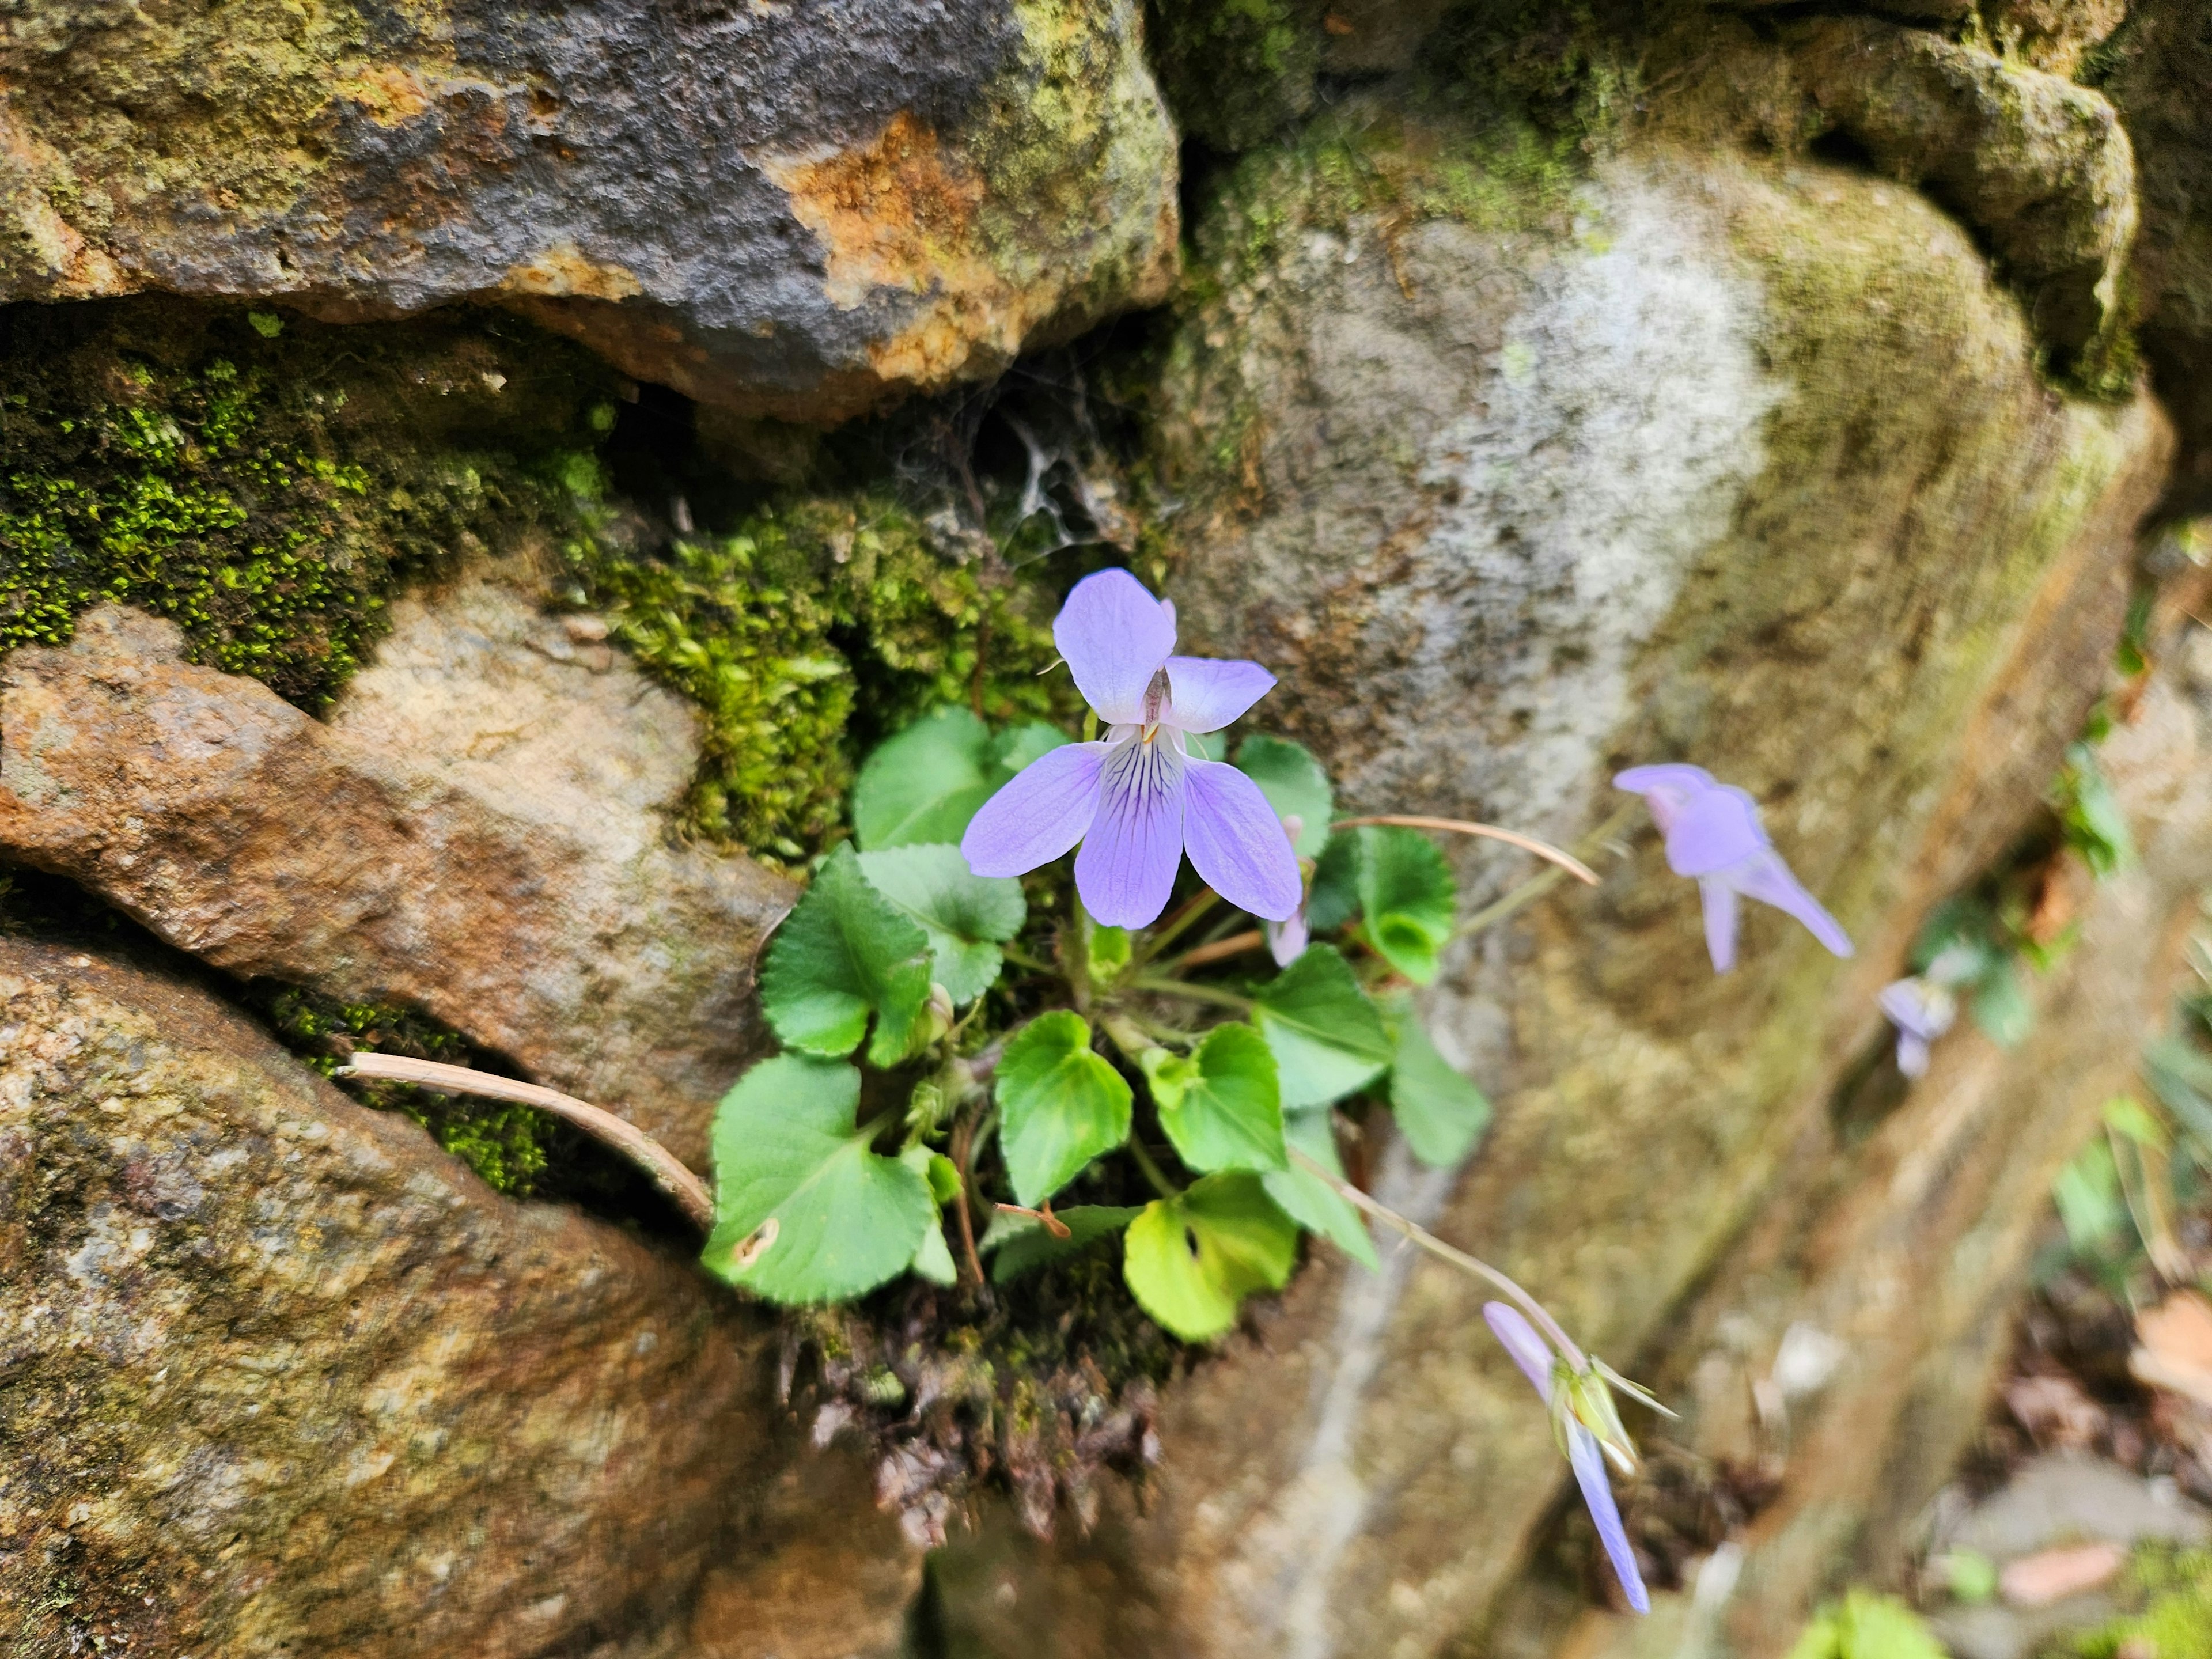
x: 1922, y: 1009
x: 1713, y: 833
x: 1136, y: 799
x: 1534, y: 1356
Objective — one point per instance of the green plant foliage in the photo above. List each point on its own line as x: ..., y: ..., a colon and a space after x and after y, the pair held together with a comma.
x: 926, y: 783
x: 1864, y: 1625
x: 1335, y: 899
x: 1311, y: 1201
x: 1061, y: 1104
x: 1295, y: 786
x: 1190, y: 1261
x: 1220, y: 1105
x: 1439, y: 1112
x: 843, y: 954
x: 967, y: 916
x: 786, y: 1148
x: 1025, y: 1244
x: 2091, y: 1204
x: 2167, y: 1593
x: 1326, y: 1036
x: 2090, y: 815
x: 1408, y: 898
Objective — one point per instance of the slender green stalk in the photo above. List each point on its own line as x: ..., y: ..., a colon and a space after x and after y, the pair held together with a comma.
x: 1193, y: 907
x: 1021, y: 959
x: 1161, y: 1184
x: 1417, y: 1234
x: 1175, y: 987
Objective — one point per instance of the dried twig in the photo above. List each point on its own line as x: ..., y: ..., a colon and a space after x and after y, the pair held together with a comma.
x: 686, y: 1189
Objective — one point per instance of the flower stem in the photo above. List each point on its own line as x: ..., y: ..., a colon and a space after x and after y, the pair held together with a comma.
x: 1235, y: 946
x: 1567, y: 862
x: 1417, y: 1234
x: 1161, y: 1184
x: 1175, y: 987
x: 1193, y: 907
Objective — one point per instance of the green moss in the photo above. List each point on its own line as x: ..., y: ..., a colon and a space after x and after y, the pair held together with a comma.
x: 2171, y: 1593
x: 1235, y: 72
x: 816, y: 628
x: 265, y: 488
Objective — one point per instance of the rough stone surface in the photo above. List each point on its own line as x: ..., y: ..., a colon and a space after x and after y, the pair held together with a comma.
x: 481, y: 833
x: 792, y: 210
x: 278, y: 1376
x: 1749, y: 466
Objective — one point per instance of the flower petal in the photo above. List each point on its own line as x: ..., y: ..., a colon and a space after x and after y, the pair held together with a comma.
x: 1597, y: 1492
x: 1128, y: 862
x: 1286, y: 940
x: 1038, y: 814
x: 1912, y: 1054
x: 1765, y: 877
x: 1666, y: 789
x: 1519, y: 1338
x: 1204, y: 694
x: 1237, y: 844
x: 1115, y: 635
x: 1713, y: 830
x: 1720, y: 921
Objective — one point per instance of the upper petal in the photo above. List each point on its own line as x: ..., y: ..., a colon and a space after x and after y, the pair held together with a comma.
x: 1667, y: 789
x: 1038, y: 814
x: 1114, y: 635
x: 1129, y: 858
x: 1529, y: 1351
x: 1712, y: 831
x: 1237, y: 845
x: 1204, y: 694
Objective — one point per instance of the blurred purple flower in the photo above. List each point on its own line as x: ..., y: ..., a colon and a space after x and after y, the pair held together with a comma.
x: 1713, y: 833
x: 1534, y: 1356
x: 1136, y: 799
x: 1922, y: 1010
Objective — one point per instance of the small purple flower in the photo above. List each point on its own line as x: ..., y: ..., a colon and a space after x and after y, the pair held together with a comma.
x: 1713, y: 833
x: 1137, y: 800
x: 1922, y: 1010
x: 1531, y: 1353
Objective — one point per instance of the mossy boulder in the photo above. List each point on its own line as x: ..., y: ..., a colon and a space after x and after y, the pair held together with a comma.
x: 800, y: 214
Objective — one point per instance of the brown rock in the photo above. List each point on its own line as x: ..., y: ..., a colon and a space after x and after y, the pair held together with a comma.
x: 276, y: 1376
x: 481, y: 834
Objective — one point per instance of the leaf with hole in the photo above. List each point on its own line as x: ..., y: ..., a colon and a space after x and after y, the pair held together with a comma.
x: 924, y: 784
x: 1408, y: 897
x: 1191, y: 1261
x: 1439, y: 1112
x: 844, y: 952
x: 1032, y: 1244
x: 1060, y: 1105
x: 1220, y: 1105
x: 786, y: 1150
x: 1312, y: 1203
x: 1326, y: 1034
x: 1295, y: 786
x: 967, y: 916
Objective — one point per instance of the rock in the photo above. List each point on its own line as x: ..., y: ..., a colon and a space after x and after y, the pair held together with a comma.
x: 798, y: 213
x: 276, y: 1376
x: 481, y: 833
x: 2055, y: 36
x: 2066, y: 1498
x: 1746, y: 464
x: 2040, y: 167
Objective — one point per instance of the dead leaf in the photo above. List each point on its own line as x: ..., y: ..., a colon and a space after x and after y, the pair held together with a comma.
x: 2174, y: 1347
x: 2048, y: 1576
x: 2056, y: 1412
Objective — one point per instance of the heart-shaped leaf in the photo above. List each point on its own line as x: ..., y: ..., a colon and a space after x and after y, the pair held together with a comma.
x: 1030, y: 1244
x: 1190, y: 1261
x: 1221, y: 1106
x: 787, y: 1152
x: 1439, y: 1112
x: 1309, y: 1200
x: 932, y: 1260
x: 844, y: 952
x: 1295, y: 786
x: 926, y: 783
x: 967, y: 916
x: 1060, y: 1105
x: 1326, y: 1038
x: 1408, y: 897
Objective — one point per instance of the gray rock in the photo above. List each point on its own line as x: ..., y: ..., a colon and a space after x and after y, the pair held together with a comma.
x: 2066, y: 1499
x: 791, y: 211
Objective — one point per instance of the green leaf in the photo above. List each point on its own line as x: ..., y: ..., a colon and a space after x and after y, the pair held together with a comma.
x: 926, y: 783
x: 967, y: 916
x: 1309, y: 1200
x: 786, y: 1150
x: 933, y: 1260
x: 2182, y: 1080
x: 843, y: 952
x: 1409, y: 896
x: 1031, y: 1245
x: 1060, y: 1105
x: 2001, y: 1005
x: 2090, y: 815
x: 1326, y: 1036
x: 1295, y: 786
x: 1439, y: 1112
x: 1221, y: 1106
x: 1335, y: 899
x: 1190, y: 1261
x: 2090, y: 1202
